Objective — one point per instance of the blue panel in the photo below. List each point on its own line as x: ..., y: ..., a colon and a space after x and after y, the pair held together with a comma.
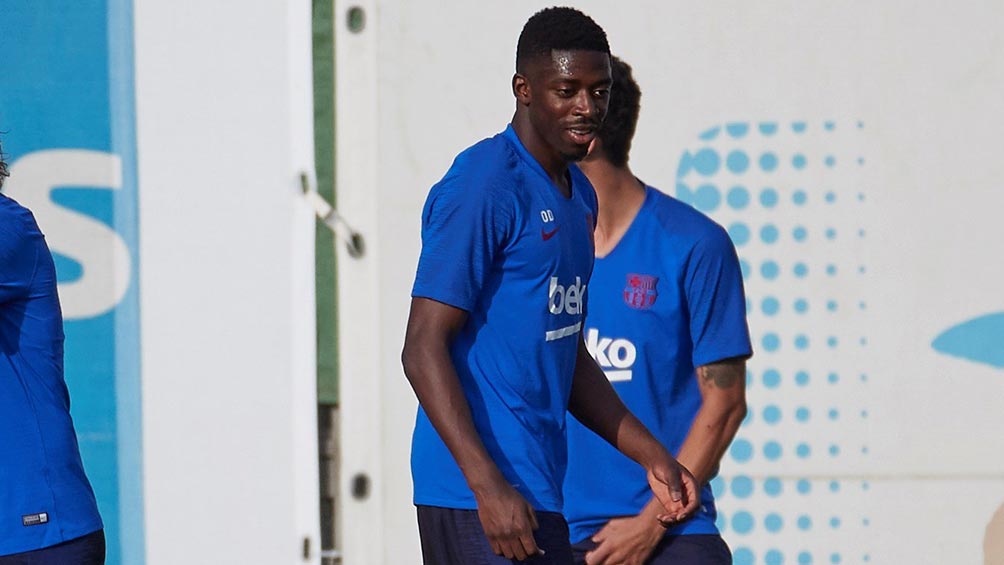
x: 67, y: 84
x: 980, y: 339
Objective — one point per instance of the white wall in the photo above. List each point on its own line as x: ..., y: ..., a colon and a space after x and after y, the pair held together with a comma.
x: 224, y: 122
x: 425, y: 80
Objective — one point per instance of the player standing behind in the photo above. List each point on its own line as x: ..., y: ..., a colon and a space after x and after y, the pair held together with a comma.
x: 494, y: 349
x: 666, y: 297
x: 48, y: 515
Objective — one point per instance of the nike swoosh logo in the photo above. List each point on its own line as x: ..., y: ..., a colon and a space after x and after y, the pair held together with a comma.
x: 546, y: 235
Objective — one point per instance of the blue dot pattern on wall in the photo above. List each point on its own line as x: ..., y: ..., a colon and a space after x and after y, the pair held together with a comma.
x: 771, y: 378
x: 742, y: 522
x: 782, y: 191
x: 769, y: 233
x: 802, y: 379
x: 773, y: 487
x: 739, y: 233
x: 768, y: 198
x: 743, y: 556
x: 737, y: 130
x: 804, y: 523
x: 768, y: 162
x: 770, y: 305
x: 803, y: 451
x: 737, y: 162
x: 741, y: 450
x: 742, y: 486
x: 770, y: 270
x: 772, y: 450
x: 738, y: 197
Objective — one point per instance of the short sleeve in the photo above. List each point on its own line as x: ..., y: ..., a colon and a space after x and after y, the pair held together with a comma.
x: 716, y: 300
x: 18, y: 255
x: 464, y: 229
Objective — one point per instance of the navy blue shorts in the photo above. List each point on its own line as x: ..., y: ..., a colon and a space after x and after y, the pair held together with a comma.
x: 455, y: 537
x: 695, y: 549
x: 85, y: 550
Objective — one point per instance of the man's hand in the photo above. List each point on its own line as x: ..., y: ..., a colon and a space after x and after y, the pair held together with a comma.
x: 508, y: 521
x: 626, y: 541
x: 675, y: 488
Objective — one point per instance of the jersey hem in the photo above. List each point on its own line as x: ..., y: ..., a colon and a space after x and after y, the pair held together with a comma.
x: 448, y: 300
x: 546, y: 505
x: 744, y: 353
x: 692, y: 530
x: 63, y: 537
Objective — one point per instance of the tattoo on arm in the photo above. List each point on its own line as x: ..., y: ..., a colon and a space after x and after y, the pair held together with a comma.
x: 723, y: 375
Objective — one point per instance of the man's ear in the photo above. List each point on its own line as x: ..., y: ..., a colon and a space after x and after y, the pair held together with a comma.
x: 521, y: 89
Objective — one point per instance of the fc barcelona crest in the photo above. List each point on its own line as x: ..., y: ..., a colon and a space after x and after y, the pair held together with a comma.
x: 640, y: 292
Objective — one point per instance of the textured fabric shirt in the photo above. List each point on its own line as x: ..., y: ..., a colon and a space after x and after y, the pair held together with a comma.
x: 500, y: 241
x: 45, y: 498
x: 668, y: 298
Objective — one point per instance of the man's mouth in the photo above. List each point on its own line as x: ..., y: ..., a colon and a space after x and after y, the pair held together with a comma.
x: 582, y: 134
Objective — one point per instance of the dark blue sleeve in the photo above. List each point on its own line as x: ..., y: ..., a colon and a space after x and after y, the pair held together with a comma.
x: 464, y: 228
x: 18, y: 254
x: 716, y: 300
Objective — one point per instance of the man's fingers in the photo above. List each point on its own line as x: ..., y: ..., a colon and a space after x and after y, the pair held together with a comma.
x: 693, y: 495
x: 533, y: 518
x: 496, y: 548
x: 668, y: 520
x: 599, y: 555
x: 673, y: 480
x: 508, y: 547
x: 528, y: 545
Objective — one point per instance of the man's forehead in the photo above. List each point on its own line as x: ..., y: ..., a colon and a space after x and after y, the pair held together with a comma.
x: 570, y: 62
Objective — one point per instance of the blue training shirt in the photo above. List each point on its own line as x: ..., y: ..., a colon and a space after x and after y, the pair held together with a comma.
x: 501, y: 242
x: 668, y: 298
x: 45, y: 498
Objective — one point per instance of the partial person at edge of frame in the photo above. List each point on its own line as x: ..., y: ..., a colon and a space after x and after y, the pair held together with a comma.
x: 48, y: 514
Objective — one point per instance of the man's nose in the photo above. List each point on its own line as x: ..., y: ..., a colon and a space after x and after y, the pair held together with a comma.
x: 584, y: 104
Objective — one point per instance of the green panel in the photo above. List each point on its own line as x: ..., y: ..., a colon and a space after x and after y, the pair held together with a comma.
x: 324, y: 163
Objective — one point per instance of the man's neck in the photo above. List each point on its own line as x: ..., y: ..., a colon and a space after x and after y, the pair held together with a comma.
x: 553, y: 164
x: 620, y: 195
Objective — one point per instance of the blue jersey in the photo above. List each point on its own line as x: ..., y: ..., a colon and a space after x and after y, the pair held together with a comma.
x: 501, y: 242
x: 45, y: 498
x: 668, y: 298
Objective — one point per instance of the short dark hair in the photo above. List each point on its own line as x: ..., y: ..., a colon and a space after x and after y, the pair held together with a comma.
x: 561, y: 29
x: 618, y: 127
x: 3, y: 167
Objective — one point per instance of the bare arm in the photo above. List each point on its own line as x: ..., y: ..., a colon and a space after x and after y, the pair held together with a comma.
x: 595, y: 403
x: 723, y: 407
x: 507, y: 518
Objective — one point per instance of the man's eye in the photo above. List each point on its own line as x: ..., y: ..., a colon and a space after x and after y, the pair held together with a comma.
x: 601, y: 93
x: 565, y: 92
